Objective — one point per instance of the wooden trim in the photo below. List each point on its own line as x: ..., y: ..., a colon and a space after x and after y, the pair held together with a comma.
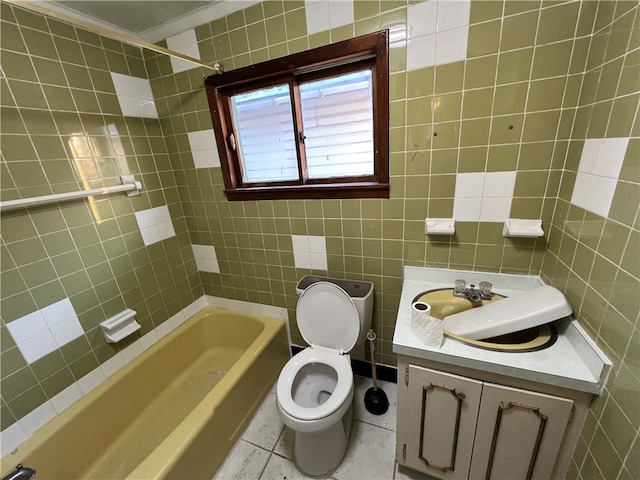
x: 365, y: 190
x: 459, y: 396
x: 367, y: 51
x: 496, y: 431
x: 341, y: 52
x: 298, y: 130
x: 381, y: 107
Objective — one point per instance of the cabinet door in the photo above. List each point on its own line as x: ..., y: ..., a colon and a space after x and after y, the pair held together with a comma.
x: 442, y: 422
x: 519, y: 434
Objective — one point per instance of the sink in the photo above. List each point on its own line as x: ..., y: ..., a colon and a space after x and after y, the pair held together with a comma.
x: 444, y: 303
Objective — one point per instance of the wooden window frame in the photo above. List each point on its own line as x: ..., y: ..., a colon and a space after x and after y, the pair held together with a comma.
x: 371, y: 50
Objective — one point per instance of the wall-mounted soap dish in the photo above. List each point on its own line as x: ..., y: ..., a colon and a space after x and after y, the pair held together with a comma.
x: 515, y: 227
x: 440, y: 226
x: 120, y: 326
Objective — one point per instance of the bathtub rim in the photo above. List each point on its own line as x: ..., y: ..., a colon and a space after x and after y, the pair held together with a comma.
x: 271, y: 327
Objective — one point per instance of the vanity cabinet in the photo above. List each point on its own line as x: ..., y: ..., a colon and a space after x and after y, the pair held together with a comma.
x: 455, y: 426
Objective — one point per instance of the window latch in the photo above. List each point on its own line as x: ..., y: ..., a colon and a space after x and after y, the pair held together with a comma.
x: 301, y: 137
x: 232, y: 141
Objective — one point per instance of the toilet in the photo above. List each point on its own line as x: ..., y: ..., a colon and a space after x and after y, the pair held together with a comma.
x: 315, y: 388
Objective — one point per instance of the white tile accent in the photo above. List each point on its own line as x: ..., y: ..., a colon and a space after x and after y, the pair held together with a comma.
x: 495, y: 209
x: 148, y: 340
x: 323, y: 15
x: 317, y: 244
x: 611, y: 157
x: 134, y: 96
x: 438, y: 32
x: 466, y: 209
x: 453, y: 14
x: 57, y: 313
x: 204, y: 149
x: 582, y: 189
x: 166, y: 230
x: 176, y: 320
x: 483, y: 197
x: 43, y: 331
x: 421, y: 52
x: 469, y: 185
x: 309, y: 251
x: 32, y: 421
x: 317, y: 13
x: 155, y: 224
x: 37, y: 347
x: 29, y: 326
x: 598, y: 172
x: 67, y: 331
x: 145, y: 218
x: 601, y: 195
x: 422, y: 19
x: 112, y: 365
x: 11, y: 438
x: 451, y: 46
x: 163, y: 329
x: 341, y: 13
x: 186, y: 43
x: 590, y: 155
x: 66, y: 397
x: 318, y: 261
x: 91, y: 380
x: 132, y: 351
x: 499, y: 184
x: 150, y: 235
x: 206, y: 258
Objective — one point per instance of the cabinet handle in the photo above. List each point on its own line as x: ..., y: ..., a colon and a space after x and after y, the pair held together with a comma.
x: 460, y: 396
x: 536, y: 448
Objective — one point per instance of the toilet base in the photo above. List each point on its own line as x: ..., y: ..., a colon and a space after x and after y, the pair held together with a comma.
x: 319, y: 454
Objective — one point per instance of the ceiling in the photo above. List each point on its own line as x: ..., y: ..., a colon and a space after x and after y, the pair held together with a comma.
x: 149, y: 20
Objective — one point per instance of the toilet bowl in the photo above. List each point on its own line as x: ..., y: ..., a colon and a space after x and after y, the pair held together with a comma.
x: 315, y: 388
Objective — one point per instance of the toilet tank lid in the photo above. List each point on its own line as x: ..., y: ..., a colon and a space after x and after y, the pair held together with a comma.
x: 328, y: 317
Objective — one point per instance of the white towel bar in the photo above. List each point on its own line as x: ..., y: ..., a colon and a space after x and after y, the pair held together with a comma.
x: 131, y: 187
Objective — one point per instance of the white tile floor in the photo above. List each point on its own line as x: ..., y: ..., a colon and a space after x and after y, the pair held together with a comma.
x: 265, y: 450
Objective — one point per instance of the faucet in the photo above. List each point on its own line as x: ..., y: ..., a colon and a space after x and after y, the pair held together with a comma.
x: 471, y: 293
x: 21, y: 473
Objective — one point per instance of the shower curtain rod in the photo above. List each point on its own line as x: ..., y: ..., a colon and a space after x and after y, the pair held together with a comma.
x: 129, y: 185
x: 36, y: 7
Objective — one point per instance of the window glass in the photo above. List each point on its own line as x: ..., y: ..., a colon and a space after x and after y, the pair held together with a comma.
x: 265, y: 137
x: 337, y: 117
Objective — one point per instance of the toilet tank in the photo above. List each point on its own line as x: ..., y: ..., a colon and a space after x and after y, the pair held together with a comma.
x: 361, y: 292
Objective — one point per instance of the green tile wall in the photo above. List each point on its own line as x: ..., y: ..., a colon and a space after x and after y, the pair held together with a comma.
x: 539, y: 78
x: 594, y: 260
x: 57, y: 96
x: 509, y: 106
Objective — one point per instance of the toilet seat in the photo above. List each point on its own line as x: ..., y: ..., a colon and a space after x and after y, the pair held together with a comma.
x: 340, y: 395
x: 328, y: 321
x: 327, y: 316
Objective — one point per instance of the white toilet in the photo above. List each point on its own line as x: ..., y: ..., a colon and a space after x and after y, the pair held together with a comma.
x: 315, y: 388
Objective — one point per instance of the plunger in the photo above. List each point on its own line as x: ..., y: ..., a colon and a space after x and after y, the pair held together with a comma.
x: 375, y: 400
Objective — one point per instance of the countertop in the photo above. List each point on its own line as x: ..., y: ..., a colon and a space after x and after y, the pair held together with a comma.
x: 574, y: 361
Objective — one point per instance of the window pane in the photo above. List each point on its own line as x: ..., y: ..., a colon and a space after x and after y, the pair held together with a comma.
x: 337, y: 114
x: 264, y: 125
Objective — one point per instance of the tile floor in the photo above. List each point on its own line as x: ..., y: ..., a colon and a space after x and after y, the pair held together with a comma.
x: 265, y: 450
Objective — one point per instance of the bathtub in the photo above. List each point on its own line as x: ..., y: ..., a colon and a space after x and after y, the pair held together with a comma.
x: 173, y: 412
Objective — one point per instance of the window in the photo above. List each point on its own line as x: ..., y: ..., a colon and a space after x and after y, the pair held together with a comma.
x: 311, y: 125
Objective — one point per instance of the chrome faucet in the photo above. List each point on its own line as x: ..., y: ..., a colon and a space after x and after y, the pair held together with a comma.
x: 21, y: 473
x: 471, y: 293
